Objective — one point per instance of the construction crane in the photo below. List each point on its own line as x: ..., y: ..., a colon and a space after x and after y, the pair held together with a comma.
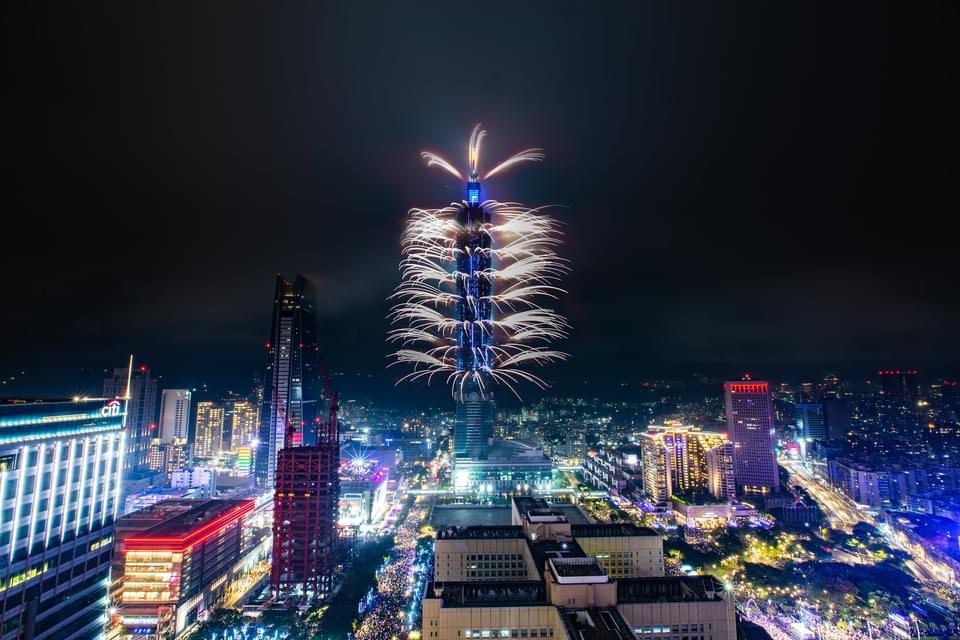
x: 333, y: 406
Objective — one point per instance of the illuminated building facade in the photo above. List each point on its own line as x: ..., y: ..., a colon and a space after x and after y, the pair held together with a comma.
x: 244, y: 420
x: 174, y: 414
x: 473, y: 423
x: 60, y: 470
x: 810, y: 420
x: 679, y: 459
x: 141, y: 410
x: 508, y: 467
x: 289, y: 416
x: 750, y: 423
x: 208, y: 436
x: 305, y: 522
x: 178, y: 561
x: 168, y: 457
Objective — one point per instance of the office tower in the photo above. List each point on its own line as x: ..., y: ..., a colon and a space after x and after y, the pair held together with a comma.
x: 174, y: 414
x: 181, y: 558
x: 305, y: 514
x: 208, y: 436
x: 141, y: 411
x: 675, y: 462
x: 836, y: 417
x: 750, y: 423
x: 289, y: 415
x: 61, y: 469
x: 243, y: 423
x: 810, y: 420
x: 545, y: 578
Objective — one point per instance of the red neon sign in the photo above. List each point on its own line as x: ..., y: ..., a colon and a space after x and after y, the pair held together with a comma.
x: 192, y: 538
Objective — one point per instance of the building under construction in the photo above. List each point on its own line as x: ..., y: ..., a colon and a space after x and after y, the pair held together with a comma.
x: 305, y: 512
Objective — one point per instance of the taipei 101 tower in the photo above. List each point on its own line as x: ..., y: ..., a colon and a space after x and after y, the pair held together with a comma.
x: 473, y: 425
x: 478, y: 281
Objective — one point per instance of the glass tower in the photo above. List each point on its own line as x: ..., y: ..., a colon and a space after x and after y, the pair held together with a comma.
x: 289, y: 416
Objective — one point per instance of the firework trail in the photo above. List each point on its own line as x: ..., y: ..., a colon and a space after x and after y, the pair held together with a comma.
x: 477, y: 281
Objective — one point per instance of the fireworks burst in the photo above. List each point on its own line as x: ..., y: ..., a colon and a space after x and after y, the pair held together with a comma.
x: 476, y: 276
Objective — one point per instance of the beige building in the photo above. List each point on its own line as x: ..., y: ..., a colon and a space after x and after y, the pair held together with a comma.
x: 545, y: 578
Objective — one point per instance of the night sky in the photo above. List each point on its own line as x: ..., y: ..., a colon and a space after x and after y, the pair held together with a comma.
x: 744, y: 185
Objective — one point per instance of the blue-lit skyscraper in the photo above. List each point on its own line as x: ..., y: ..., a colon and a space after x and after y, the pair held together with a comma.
x: 473, y: 425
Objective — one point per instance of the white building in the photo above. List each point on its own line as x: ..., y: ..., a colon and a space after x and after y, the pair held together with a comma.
x: 174, y: 414
x: 198, y: 477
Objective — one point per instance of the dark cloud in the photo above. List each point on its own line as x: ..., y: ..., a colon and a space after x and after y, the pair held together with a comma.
x: 750, y: 184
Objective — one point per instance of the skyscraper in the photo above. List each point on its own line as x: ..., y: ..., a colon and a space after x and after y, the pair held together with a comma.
x: 141, y: 411
x: 289, y: 415
x: 810, y: 420
x: 473, y: 425
x: 208, y: 439
x: 750, y: 421
x: 174, y: 414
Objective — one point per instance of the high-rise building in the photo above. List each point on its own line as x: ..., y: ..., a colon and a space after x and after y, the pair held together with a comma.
x: 675, y: 462
x: 141, y: 411
x: 289, y: 416
x: 174, y: 414
x: 473, y: 423
x: 244, y: 416
x: 810, y: 420
x: 61, y: 470
x: 836, y: 417
x: 208, y: 436
x: 750, y: 422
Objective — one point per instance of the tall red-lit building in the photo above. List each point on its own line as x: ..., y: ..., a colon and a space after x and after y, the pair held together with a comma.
x: 750, y: 421
x: 305, y: 511
x: 179, y: 558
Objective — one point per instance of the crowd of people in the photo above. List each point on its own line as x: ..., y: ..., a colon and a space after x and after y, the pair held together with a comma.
x: 391, y: 609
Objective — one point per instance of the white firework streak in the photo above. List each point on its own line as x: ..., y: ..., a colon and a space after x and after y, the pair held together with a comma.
x: 524, y: 274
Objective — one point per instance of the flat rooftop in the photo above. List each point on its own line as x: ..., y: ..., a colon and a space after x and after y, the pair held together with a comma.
x: 489, y: 594
x: 203, y: 516
x: 669, y: 589
x: 547, y: 549
x: 616, y: 530
x: 576, y: 567
x: 480, y: 533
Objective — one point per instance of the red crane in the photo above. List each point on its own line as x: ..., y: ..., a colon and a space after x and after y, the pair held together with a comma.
x: 333, y: 405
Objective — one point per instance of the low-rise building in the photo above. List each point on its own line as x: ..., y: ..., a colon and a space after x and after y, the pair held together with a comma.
x: 545, y: 578
x: 179, y: 561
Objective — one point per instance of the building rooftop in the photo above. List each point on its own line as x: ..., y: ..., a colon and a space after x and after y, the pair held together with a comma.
x: 669, y: 589
x: 596, y: 624
x: 480, y: 532
x: 489, y: 594
x: 192, y: 526
x: 577, y: 568
x: 548, y: 549
x: 616, y: 530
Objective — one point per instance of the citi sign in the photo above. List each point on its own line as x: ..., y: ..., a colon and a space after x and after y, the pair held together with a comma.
x: 110, y: 409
